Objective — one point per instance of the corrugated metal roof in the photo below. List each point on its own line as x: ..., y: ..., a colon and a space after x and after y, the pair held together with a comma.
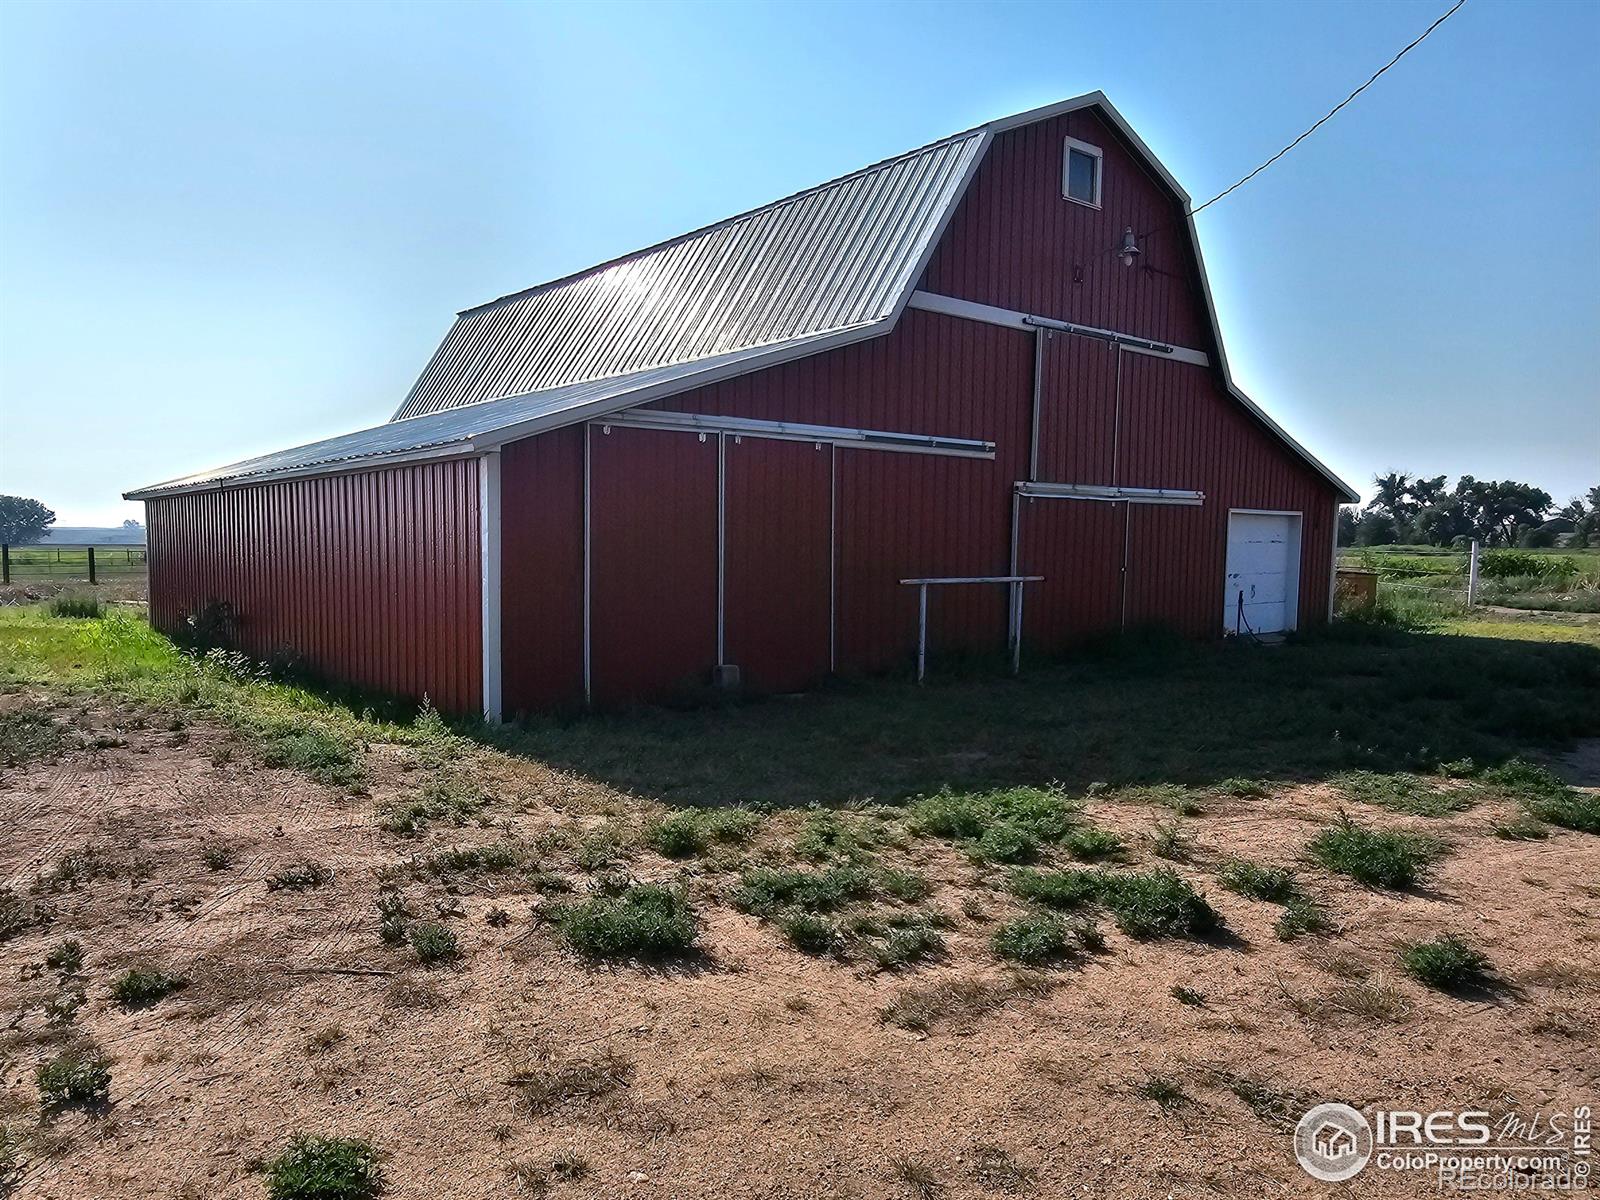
x: 825, y: 267
x: 834, y: 257
x: 474, y: 427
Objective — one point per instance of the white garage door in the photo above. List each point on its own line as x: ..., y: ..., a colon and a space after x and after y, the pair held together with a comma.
x: 1263, y: 586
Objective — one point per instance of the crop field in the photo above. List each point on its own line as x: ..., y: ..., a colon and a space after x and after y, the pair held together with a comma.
x: 1106, y: 929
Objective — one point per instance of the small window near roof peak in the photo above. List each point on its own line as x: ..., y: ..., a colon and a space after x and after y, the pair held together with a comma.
x: 1080, y: 172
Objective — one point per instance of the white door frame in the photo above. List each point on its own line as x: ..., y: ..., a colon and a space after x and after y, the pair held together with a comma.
x: 1291, y: 600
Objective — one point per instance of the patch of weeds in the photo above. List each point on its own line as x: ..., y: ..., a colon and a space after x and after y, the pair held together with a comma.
x: 1274, y: 884
x: 1188, y: 995
x: 16, y: 914
x: 495, y: 859
x: 1544, y: 796
x: 497, y: 917
x: 433, y: 943
x: 994, y: 1169
x: 810, y: 933
x: 647, y: 921
x: 324, y: 1039
x: 1272, y: 1105
x: 313, y: 750
x: 960, y: 1002
x: 901, y: 883
x: 1158, y: 904
x: 1375, y: 857
x: 62, y: 1008
x: 300, y: 876
x: 1522, y: 829
x: 1300, y: 916
x: 569, y: 1166
x: 908, y: 945
x: 1168, y: 840
x: 544, y: 1087
x: 66, y: 956
x: 77, y: 1077
x: 1169, y: 795
x: 693, y: 831
x: 1090, y: 843
x: 393, y: 916
x: 1056, y: 889
x: 323, y: 1168
x: 28, y: 733
x: 765, y: 891
x: 1243, y: 789
x: 918, y: 1176
x: 827, y: 834
x: 217, y: 857
x: 603, y: 848
x: 443, y: 798
x: 138, y: 988
x: 1036, y: 940
x: 1400, y: 793
x: 1447, y: 963
x: 78, y: 869
x: 1163, y: 1089
x: 1003, y: 842
x: 1375, y: 999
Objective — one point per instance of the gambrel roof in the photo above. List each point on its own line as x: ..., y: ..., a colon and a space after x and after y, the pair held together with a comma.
x: 831, y: 265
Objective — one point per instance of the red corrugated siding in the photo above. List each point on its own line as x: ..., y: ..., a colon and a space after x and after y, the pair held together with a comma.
x: 372, y: 577
x: 778, y: 574
x: 653, y: 529
x: 1014, y: 242
x: 541, y: 571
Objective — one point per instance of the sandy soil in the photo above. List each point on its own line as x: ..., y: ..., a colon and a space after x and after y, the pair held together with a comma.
x: 761, y: 1072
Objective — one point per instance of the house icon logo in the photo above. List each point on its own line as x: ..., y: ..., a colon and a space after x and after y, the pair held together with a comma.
x: 1333, y: 1142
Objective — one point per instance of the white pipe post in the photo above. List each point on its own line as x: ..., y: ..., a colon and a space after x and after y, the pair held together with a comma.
x: 1472, y: 575
x: 1016, y: 628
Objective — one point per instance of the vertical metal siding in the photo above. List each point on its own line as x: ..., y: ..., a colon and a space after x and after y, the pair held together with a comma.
x: 778, y: 572
x: 1077, y: 546
x: 653, y: 517
x: 372, y: 577
x: 541, y: 571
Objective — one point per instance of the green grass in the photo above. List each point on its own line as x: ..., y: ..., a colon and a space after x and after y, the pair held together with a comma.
x: 1543, y: 796
x: 432, y: 943
x: 1158, y: 904
x: 442, y: 799
x: 811, y: 933
x: 694, y: 831
x: 76, y: 607
x: 77, y: 1077
x: 66, y: 956
x: 1035, y: 940
x: 1056, y: 889
x: 1376, y: 857
x: 1300, y: 916
x: 647, y: 922
x: 324, y: 1168
x: 1402, y: 793
x: 1446, y: 963
x: 1274, y: 884
x: 139, y: 988
x: 765, y: 891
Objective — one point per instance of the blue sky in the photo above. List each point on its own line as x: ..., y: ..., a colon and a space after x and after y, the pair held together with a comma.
x: 226, y: 228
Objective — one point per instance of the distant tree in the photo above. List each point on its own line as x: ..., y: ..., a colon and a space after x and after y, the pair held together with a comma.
x: 1393, y: 497
x: 1428, y: 492
x: 1442, y: 522
x: 1584, y: 513
x: 23, y: 521
x: 1499, y: 509
x: 1347, y: 525
x: 130, y: 523
x: 1376, y: 529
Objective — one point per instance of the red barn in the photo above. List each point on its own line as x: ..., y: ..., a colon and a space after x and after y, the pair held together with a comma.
x: 720, y: 458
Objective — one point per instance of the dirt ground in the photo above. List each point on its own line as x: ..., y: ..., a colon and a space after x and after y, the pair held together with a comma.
x: 760, y: 1072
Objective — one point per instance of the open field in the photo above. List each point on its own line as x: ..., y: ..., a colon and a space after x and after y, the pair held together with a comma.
x: 72, y: 562
x: 1096, y: 931
x: 1560, y: 580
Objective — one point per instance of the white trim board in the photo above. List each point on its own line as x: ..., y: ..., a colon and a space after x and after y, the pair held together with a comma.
x: 794, y: 431
x: 489, y: 628
x: 989, y: 314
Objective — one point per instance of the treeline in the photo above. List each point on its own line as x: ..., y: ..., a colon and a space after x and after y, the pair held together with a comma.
x: 1418, y: 511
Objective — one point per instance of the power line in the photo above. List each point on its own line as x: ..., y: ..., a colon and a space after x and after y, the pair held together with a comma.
x: 1334, y: 109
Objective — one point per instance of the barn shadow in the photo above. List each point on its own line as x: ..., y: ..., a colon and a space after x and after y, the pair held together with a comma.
x: 1133, y: 711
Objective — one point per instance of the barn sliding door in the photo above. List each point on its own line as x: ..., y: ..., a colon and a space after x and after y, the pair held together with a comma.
x: 1077, y: 545
x: 653, y: 546
x: 777, y: 509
